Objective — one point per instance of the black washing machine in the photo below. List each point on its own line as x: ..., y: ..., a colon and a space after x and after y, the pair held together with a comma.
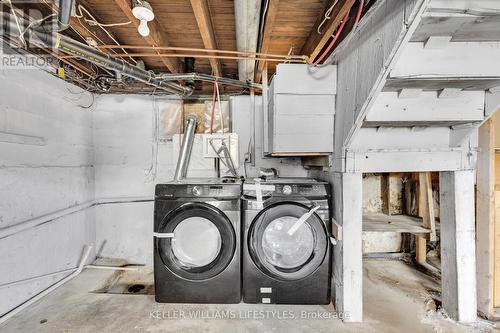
x: 197, y: 241
x: 281, y: 266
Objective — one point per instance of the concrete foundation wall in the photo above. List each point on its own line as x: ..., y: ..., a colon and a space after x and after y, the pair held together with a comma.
x: 46, y: 165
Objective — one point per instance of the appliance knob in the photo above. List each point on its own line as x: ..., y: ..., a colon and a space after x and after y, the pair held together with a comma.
x: 197, y: 191
x: 287, y: 190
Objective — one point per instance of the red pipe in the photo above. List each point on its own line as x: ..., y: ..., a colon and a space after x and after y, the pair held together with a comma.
x: 339, y: 31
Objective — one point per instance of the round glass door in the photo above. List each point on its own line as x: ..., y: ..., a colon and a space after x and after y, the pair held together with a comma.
x: 284, y: 250
x: 203, y: 244
x: 281, y: 248
x: 197, y: 242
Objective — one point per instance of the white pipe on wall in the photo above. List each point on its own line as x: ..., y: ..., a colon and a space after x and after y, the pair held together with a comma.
x: 22, y: 226
x: 12, y: 313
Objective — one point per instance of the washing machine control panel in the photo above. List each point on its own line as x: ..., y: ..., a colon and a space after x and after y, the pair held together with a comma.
x: 301, y: 189
x: 198, y: 190
x: 212, y: 190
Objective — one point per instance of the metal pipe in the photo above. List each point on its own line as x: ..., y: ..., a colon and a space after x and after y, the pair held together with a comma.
x: 25, y: 225
x: 186, y: 148
x: 71, y: 46
x: 212, y: 51
x: 20, y: 308
x: 207, y: 56
x: 209, y: 78
x: 65, y: 8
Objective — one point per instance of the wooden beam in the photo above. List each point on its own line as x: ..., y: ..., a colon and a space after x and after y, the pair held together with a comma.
x: 347, y: 254
x: 485, y: 215
x: 316, y: 42
x: 272, y: 13
x: 156, y: 36
x: 458, y: 246
x: 202, y: 15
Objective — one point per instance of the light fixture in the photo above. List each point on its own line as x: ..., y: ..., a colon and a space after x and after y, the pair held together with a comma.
x: 143, y: 12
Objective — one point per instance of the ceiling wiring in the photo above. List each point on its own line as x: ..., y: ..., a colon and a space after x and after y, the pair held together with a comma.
x: 102, y: 26
x: 327, y: 16
x: 16, y: 18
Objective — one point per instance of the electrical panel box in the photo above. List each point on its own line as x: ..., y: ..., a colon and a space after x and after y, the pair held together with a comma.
x: 300, y: 111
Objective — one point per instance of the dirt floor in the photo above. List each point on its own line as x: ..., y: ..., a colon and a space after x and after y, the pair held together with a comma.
x: 397, y: 298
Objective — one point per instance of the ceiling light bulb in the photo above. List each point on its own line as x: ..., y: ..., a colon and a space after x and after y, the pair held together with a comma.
x: 143, y: 28
x: 143, y: 11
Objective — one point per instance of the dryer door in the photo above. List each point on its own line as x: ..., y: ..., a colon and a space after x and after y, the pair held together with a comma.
x: 280, y: 254
x: 203, y: 242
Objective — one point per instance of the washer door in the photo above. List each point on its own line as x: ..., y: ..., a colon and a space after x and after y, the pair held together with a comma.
x: 281, y: 255
x: 204, y: 241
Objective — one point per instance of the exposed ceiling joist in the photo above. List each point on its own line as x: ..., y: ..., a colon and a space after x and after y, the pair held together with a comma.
x: 202, y: 14
x: 316, y: 41
x: 156, y: 36
x: 272, y: 13
x: 77, y: 25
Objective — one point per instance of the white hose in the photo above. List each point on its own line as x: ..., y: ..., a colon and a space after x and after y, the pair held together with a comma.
x: 12, y: 313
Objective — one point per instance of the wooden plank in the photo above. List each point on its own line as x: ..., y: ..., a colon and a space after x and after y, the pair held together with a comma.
x: 202, y: 14
x: 379, y: 222
x: 272, y: 13
x: 496, y: 252
x: 426, y: 211
x: 386, y: 194
x: 347, y: 254
x: 156, y: 36
x: 429, y: 219
x: 486, y: 220
x: 458, y: 246
x: 316, y: 42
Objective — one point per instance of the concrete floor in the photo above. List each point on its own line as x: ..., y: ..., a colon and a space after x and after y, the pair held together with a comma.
x: 397, y: 299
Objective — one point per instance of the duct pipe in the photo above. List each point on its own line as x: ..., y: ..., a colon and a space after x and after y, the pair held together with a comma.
x: 86, y: 52
x: 186, y: 148
x: 247, y: 18
x: 73, y: 47
x: 65, y: 8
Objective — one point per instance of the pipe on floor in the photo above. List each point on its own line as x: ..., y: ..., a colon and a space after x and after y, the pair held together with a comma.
x: 69, y: 270
x: 186, y: 148
x: 15, y: 311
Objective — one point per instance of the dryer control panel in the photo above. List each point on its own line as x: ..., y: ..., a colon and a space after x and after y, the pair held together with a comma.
x: 208, y: 189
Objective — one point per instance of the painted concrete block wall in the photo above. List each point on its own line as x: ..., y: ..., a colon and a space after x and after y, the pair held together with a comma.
x: 51, y: 171
x: 126, y: 165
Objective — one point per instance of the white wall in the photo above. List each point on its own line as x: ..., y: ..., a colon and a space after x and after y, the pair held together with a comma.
x: 53, y: 171
x: 125, y: 165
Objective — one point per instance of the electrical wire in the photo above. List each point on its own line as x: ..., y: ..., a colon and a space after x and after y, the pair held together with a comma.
x: 339, y: 31
x: 102, y: 26
x: 327, y: 16
x: 95, y: 22
x: 16, y: 18
x: 334, y: 40
x: 36, y: 22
